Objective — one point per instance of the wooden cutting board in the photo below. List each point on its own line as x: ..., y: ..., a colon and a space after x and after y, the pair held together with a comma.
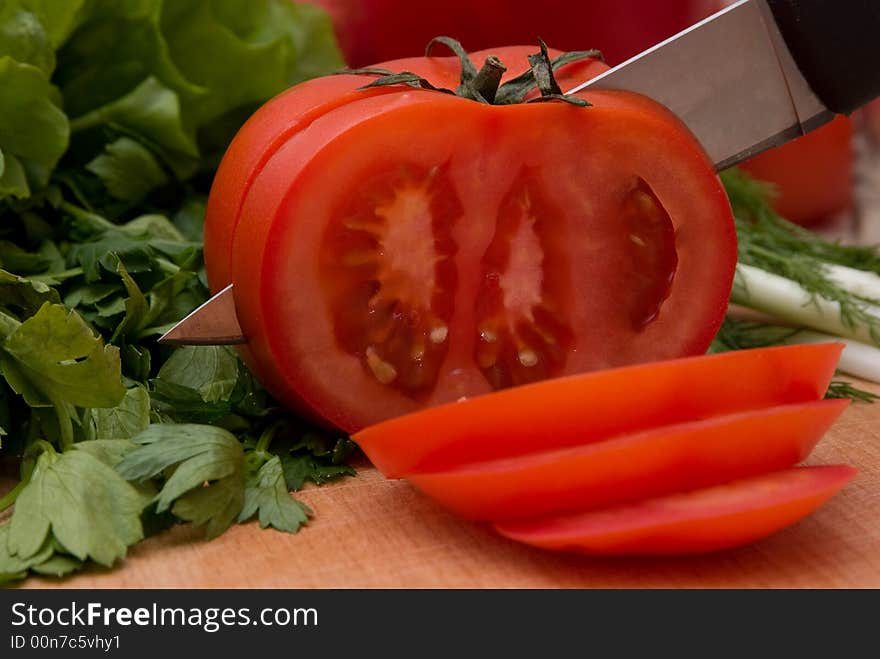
x: 369, y: 532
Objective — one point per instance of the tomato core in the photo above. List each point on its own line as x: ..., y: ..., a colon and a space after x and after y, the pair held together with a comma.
x: 390, y: 291
x: 390, y: 276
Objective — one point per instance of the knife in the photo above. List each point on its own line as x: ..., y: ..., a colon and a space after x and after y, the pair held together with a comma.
x: 752, y: 76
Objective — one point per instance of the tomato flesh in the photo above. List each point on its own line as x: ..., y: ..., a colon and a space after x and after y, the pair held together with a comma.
x: 631, y: 467
x: 576, y: 410
x: 567, y: 267
x: 389, y: 289
x: 706, y: 520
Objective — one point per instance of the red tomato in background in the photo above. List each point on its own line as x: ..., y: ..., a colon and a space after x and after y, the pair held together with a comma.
x: 872, y: 120
x: 370, y: 31
x: 813, y: 175
x: 402, y: 248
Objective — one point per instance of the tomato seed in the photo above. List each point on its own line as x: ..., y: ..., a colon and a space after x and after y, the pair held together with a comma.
x: 439, y: 334
x: 527, y: 357
x: 384, y: 372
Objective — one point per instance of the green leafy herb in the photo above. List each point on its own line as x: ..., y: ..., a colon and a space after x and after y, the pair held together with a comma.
x: 130, y: 417
x: 795, y: 275
x: 198, y: 455
x: 53, y: 359
x: 266, y: 496
x: 843, y: 389
x: 81, y: 503
x: 113, y: 117
x: 211, y: 370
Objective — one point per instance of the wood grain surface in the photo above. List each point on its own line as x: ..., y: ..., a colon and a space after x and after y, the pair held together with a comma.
x: 369, y: 532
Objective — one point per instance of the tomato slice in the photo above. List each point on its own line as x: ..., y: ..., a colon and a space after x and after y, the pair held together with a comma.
x: 634, y: 466
x: 701, y: 521
x: 586, y: 408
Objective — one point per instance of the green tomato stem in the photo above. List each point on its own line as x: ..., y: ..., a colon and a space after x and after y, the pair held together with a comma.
x: 266, y: 438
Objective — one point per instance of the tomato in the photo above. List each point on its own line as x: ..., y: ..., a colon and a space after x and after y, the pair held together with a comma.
x: 705, y: 520
x: 634, y: 466
x: 403, y: 249
x: 296, y: 108
x: 813, y: 175
x: 567, y: 412
x: 374, y: 30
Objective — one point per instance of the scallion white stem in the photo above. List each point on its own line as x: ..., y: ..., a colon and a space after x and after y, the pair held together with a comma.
x: 858, y: 359
x: 858, y: 282
x: 787, y: 300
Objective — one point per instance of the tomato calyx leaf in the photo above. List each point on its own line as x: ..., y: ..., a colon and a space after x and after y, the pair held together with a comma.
x: 542, y: 71
x: 402, y: 78
x: 484, y: 86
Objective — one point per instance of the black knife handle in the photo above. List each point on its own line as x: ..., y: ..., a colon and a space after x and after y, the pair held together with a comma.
x: 836, y: 44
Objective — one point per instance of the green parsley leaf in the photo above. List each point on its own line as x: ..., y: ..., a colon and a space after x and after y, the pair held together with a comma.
x: 58, y: 565
x: 24, y: 296
x: 210, y: 370
x: 84, y: 504
x: 130, y: 417
x: 299, y: 468
x: 179, y: 403
x: 13, y: 567
x: 198, y: 453
x: 267, y: 497
x: 113, y: 116
x: 109, y: 451
x: 53, y: 357
x: 215, y: 507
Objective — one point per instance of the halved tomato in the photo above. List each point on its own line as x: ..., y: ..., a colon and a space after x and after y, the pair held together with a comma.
x: 587, y: 408
x: 296, y: 108
x: 409, y: 248
x: 705, y: 520
x: 634, y: 466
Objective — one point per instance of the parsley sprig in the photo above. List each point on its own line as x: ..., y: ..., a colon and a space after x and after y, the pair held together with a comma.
x: 113, y: 117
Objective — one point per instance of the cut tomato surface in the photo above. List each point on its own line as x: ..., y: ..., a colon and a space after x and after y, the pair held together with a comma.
x: 591, y: 407
x: 296, y: 108
x: 405, y: 248
x: 699, y: 521
x: 635, y: 466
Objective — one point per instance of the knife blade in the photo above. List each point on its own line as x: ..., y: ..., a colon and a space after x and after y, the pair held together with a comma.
x: 748, y: 78
x: 732, y: 80
x: 214, y: 323
x: 759, y: 73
